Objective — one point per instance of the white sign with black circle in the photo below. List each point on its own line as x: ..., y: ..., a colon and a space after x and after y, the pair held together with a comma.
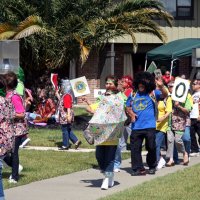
x: 180, y: 89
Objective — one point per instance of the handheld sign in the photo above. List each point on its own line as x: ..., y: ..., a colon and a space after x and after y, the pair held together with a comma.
x: 158, y: 73
x: 99, y: 92
x: 54, y: 80
x: 152, y: 67
x: 80, y: 86
x: 180, y: 89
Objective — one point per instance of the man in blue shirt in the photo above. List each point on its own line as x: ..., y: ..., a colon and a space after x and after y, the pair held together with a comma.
x: 141, y: 106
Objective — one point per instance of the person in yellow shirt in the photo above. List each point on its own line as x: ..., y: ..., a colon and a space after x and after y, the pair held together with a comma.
x: 164, y: 110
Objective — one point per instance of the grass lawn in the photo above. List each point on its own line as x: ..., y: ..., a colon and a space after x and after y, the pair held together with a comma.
x: 53, y: 137
x: 183, y: 185
x: 40, y: 165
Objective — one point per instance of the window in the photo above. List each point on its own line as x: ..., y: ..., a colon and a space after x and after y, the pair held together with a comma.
x: 180, y: 9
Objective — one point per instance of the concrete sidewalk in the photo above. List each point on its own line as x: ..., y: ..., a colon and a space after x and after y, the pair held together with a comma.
x: 84, y: 185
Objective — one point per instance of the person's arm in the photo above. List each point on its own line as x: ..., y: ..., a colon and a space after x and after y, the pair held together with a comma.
x: 131, y: 114
x: 129, y: 109
x: 162, y: 88
x: 19, y: 107
x: 163, y: 117
x: 184, y: 110
x: 90, y: 107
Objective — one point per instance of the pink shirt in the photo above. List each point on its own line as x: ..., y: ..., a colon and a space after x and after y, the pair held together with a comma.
x: 17, y: 102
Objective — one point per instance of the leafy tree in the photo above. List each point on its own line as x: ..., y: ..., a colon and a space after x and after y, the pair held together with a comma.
x: 75, y: 27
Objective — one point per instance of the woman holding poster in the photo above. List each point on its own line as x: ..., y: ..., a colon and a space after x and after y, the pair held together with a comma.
x: 180, y: 113
x: 106, y: 125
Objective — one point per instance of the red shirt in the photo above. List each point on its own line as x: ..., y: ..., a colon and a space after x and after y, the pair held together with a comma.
x: 128, y: 91
x: 167, y: 79
x: 67, y: 100
x: 46, y: 108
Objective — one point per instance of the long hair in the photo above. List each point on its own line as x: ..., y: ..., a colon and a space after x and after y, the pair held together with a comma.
x: 147, y: 79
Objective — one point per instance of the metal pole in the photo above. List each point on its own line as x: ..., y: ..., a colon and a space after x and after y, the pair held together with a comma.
x: 113, y: 57
x: 145, y: 66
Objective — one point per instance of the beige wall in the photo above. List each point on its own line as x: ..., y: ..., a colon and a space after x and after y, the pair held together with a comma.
x: 181, y: 29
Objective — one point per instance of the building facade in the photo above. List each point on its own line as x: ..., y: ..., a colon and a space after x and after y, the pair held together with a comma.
x: 118, y: 57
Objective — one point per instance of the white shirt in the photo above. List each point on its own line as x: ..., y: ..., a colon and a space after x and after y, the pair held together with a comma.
x: 194, y: 114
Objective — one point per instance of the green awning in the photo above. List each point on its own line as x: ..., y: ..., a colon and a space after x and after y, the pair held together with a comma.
x: 174, y: 49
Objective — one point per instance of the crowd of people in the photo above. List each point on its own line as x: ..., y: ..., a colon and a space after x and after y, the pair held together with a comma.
x: 145, y: 111
x: 153, y: 116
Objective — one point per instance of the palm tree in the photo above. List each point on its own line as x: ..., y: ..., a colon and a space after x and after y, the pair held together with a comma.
x: 76, y: 26
x: 92, y: 23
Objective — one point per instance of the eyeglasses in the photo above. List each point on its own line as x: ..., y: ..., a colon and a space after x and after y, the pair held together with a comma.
x: 194, y: 83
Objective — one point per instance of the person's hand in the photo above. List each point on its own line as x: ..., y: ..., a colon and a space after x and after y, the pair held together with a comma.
x: 84, y: 99
x: 69, y: 119
x: 176, y: 104
x: 159, y: 82
x: 133, y: 117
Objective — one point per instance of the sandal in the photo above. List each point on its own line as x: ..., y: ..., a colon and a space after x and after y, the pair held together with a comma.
x: 187, y: 160
x: 170, y: 164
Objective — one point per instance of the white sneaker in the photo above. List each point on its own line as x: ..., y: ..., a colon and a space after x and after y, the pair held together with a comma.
x: 12, y: 181
x: 117, y: 170
x: 20, y: 168
x: 105, y: 182
x: 195, y: 154
x: 161, y: 163
x: 25, y: 142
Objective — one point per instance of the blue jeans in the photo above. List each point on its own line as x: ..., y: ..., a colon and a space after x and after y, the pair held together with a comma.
x: 187, y: 139
x: 159, y: 140
x: 187, y: 143
x: 122, y: 146
x: 105, y: 155
x: 1, y: 181
x: 68, y: 134
x: 118, y: 157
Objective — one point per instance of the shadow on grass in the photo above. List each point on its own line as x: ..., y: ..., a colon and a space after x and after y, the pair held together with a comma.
x: 96, y: 182
x: 6, y: 175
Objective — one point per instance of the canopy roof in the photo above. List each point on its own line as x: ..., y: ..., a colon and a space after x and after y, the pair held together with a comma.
x: 174, y: 49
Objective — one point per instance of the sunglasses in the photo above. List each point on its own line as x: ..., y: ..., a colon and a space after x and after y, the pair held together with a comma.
x: 194, y: 83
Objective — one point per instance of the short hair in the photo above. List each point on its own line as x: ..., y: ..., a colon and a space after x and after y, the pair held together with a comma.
x: 113, y: 78
x: 11, y: 80
x: 147, y: 79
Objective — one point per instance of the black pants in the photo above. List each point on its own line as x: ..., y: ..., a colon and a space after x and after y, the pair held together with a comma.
x: 136, y: 139
x: 105, y: 155
x: 12, y: 159
x: 194, y: 128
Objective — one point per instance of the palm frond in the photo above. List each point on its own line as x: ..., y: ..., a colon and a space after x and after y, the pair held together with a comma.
x: 29, y: 31
x: 7, y: 31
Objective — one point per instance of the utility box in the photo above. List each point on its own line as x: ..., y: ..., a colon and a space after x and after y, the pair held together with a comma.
x: 9, y: 56
x: 196, y: 57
